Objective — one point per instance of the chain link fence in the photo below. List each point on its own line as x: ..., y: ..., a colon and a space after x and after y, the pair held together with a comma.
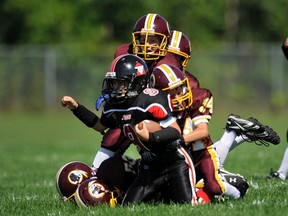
x: 36, y: 77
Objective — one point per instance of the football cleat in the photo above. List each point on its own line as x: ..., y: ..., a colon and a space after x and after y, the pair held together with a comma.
x: 252, y: 130
x: 275, y: 175
x: 264, y: 135
x: 239, y: 125
x: 235, y: 180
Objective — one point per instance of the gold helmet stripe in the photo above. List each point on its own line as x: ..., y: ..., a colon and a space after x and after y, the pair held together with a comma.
x: 175, y: 40
x: 149, y: 22
x: 168, y: 72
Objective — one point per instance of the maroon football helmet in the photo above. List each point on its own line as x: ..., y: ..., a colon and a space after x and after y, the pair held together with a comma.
x: 93, y: 192
x: 169, y: 78
x: 180, y: 45
x: 147, y: 27
x: 70, y: 176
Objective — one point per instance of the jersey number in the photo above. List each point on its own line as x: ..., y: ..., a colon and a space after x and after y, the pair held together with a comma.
x: 207, y: 104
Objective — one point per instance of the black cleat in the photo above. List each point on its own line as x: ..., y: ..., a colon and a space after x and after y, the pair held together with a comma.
x: 264, y: 135
x: 252, y: 130
x: 275, y: 175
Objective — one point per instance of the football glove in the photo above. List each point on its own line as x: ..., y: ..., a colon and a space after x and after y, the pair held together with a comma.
x: 100, y: 100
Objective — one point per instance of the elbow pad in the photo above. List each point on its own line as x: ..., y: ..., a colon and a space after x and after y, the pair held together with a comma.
x: 285, y: 51
x: 86, y: 116
x: 164, y: 136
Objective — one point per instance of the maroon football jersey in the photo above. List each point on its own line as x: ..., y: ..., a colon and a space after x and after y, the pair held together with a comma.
x: 200, y: 111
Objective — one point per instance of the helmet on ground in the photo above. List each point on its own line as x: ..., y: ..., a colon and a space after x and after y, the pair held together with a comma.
x: 125, y: 79
x: 180, y: 45
x: 150, y: 37
x: 172, y: 79
x: 93, y: 192
x: 70, y: 176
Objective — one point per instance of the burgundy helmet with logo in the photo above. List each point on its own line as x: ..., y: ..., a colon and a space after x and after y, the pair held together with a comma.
x: 93, y: 192
x: 70, y: 176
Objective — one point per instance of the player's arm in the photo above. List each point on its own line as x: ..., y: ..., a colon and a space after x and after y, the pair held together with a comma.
x: 199, y: 133
x: 89, y: 118
x: 161, y: 137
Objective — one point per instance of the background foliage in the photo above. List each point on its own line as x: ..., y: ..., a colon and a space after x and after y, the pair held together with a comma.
x: 96, y: 21
x: 55, y: 47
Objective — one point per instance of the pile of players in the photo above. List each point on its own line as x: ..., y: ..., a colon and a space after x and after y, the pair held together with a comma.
x: 151, y: 101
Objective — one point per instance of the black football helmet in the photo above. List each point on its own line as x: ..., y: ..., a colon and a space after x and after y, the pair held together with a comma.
x: 169, y: 77
x: 69, y: 176
x: 150, y: 25
x: 180, y: 45
x: 93, y: 192
x: 126, y: 78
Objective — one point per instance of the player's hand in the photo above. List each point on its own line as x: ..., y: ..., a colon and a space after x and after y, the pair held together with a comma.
x: 175, y: 144
x: 142, y: 131
x: 286, y: 42
x: 69, y: 102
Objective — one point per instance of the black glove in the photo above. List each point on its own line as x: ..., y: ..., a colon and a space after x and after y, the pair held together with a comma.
x: 173, y: 146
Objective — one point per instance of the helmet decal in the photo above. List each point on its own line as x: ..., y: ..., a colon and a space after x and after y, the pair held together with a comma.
x: 140, y: 70
x: 96, y: 189
x: 76, y: 176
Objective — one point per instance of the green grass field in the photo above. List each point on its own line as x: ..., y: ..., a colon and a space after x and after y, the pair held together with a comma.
x: 34, y: 146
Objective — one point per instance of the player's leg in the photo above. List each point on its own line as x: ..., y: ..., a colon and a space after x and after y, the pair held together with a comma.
x: 282, y: 172
x: 112, y: 141
x: 145, y: 187
x: 223, y: 146
x: 118, y: 171
x: 239, y: 130
x: 208, y: 166
x: 180, y: 182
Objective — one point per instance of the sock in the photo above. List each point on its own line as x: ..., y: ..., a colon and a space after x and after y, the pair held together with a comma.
x: 283, y: 169
x: 237, y: 141
x: 224, y: 144
x: 231, y: 191
x: 100, y: 156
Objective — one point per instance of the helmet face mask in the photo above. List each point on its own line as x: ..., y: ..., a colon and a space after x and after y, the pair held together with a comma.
x: 170, y: 78
x: 118, y: 88
x: 126, y: 78
x: 150, y: 37
x: 149, y: 46
x: 181, y: 96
